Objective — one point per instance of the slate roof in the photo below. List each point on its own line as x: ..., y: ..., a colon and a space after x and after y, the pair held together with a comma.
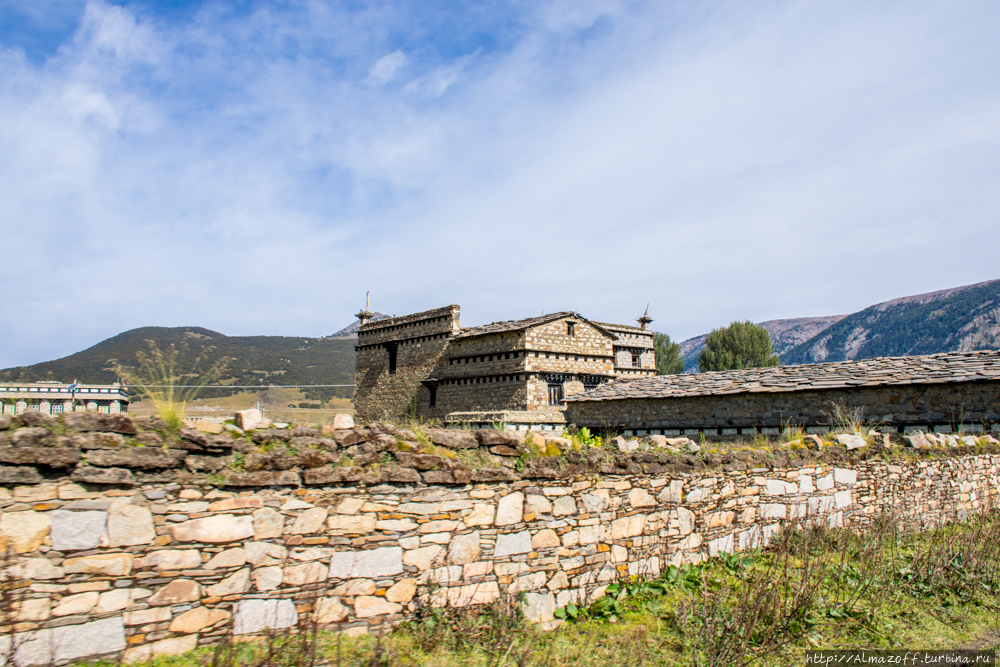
x: 945, y: 367
x: 518, y: 325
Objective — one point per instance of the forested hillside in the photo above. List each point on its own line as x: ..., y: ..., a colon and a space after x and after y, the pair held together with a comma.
x: 244, y: 360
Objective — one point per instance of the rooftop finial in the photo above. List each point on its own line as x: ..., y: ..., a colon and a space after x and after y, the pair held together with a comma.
x: 645, y: 320
x: 366, y: 314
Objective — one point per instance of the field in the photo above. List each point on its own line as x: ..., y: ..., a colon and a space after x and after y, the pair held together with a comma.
x: 283, y: 405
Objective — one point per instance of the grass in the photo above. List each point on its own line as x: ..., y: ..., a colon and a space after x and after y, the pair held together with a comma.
x: 881, y: 587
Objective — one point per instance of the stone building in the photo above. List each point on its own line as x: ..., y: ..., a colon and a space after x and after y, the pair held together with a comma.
x: 948, y: 392
x: 56, y: 397
x: 517, y: 372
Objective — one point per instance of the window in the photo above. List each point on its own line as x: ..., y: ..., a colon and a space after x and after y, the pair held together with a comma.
x: 635, y: 361
x: 434, y: 394
x: 392, y: 357
x: 571, y: 328
x: 555, y: 394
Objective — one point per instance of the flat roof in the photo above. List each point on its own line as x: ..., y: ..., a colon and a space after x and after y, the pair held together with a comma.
x: 946, y: 367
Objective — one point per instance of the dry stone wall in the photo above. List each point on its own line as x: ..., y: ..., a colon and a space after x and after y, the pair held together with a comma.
x: 164, y: 562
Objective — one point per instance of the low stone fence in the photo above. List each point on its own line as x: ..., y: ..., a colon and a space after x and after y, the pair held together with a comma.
x: 158, y: 561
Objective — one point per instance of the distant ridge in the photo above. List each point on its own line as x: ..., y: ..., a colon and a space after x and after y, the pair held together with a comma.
x: 250, y: 360
x: 958, y: 319
x: 351, y: 330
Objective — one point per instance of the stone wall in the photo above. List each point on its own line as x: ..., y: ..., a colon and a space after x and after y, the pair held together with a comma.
x: 973, y: 404
x: 160, y: 561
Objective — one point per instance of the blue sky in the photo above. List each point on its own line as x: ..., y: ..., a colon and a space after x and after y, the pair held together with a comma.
x: 256, y: 167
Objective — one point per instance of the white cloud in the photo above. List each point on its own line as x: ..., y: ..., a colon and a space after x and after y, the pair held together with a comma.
x: 385, y: 68
x: 722, y: 162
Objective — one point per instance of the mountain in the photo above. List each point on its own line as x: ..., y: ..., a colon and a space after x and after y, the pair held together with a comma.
x: 245, y: 360
x: 352, y: 329
x: 958, y: 319
x: 785, y: 334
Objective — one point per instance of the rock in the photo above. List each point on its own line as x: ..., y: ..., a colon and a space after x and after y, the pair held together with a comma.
x: 539, y: 607
x: 196, y: 437
x: 33, y: 609
x: 113, y: 600
x: 264, y: 553
x: 33, y: 437
x: 172, y: 559
x: 512, y: 543
x: 251, y: 419
x: 343, y: 421
x: 90, y: 475
x: 424, y: 557
x: 969, y: 440
x: 173, y: 646
x: 490, y: 437
x: 464, y: 548
x: 112, y: 565
x: 330, y: 610
x: 624, y: 445
x: 307, y: 573
x: 137, y: 457
x: 147, y: 616
x: 215, y: 529
x: 851, y: 440
x: 176, y: 592
x: 510, y: 509
x: 237, y: 582
x: 81, y: 603
x: 452, y: 439
x: 23, y: 531
x: 639, y: 497
x: 76, y: 531
x: 54, y: 457
x: 402, y: 592
x: 368, y: 564
x: 504, y: 450
x: 69, y: 642
x: 916, y: 440
x: 361, y: 524
x: 310, y: 521
x: 5, y: 422
x: 693, y: 447
x: 419, y: 461
x: 402, y: 476
x: 129, y: 525
x: 267, y: 578
x: 19, y: 475
x: 228, y: 558
x: 815, y: 440
x: 100, y: 421
x: 366, y: 606
x: 258, y: 615
x: 267, y: 524
x: 482, y: 515
x: 494, y: 475
x: 544, y: 539
x: 35, y: 569
x: 564, y: 506
x: 628, y: 526
x: 209, y: 427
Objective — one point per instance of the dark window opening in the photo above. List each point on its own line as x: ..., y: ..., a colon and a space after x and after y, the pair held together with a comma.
x: 392, y: 359
x: 571, y: 328
x: 635, y: 361
x: 555, y: 394
x: 433, y: 395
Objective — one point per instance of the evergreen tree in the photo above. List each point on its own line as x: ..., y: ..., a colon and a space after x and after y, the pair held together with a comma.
x: 740, y: 345
x: 668, y: 355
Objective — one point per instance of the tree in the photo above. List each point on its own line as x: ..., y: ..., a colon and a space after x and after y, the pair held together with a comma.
x: 668, y: 355
x: 740, y: 345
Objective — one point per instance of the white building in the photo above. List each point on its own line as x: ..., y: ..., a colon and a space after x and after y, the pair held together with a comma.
x: 55, y: 397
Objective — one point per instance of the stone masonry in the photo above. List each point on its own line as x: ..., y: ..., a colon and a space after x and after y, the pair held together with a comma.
x: 134, y: 554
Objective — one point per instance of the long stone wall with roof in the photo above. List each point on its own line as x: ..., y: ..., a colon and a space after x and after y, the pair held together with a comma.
x: 937, y: 392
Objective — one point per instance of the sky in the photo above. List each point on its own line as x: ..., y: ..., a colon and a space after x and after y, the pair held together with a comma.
x: 256, y: 167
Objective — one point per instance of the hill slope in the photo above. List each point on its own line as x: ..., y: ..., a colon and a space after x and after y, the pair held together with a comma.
x: 958, y: 319
x: 785, y: 334
x: 248, y: 360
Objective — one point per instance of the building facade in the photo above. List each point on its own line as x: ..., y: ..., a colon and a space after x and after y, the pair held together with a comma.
x: 518, y: 372
x: 56, y: 397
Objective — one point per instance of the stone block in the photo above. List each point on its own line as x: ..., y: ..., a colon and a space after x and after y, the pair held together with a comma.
x: 267, y: 524
x: 147, y: 616
x: 258, y: 615
x: 825, y: 483
x: 251, y: 419
x: 54, y: 457
x: 235, y: 557
x: 69, y: 642
x: 424, y: 557
x: 176, y: 592
x: 360, y: 524
x: 510, y: 509
x: 845, y: 476
x: 268, y: 578
x: 538, y: 607
x: 564, y: 506
x: 137, y: 457
x: 310, y: 521
x: 842, y: 499
x: 215, y: 529
x: 402, y: 591
x: 366, y: 606
x: 171, y: 559
x: 23, y: 531
x: 452, y: 439
x: 628, y: 526
x: 72, y: 605
x: 545, y: 539
x: 463, y: 596
x: 481, y: 515
x: 307, y: 573
x: 237, y: 582
x: 264, y: 553
x: 129, y: 525
x: 464, y: 548
x: 35, y: 569
x: 112, y: 565
x: 19, y: 475
x: 76, y: 531
x: 639, y: 497
x: 371, y: 564
x: 512, y: 543
x: 91, y: 475
x: 172, y: 646
x: 330, y: 610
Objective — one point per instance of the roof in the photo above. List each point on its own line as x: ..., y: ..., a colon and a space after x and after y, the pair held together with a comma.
x: 624, y: 327
x: 518, y: 325
x: 946, y: 367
